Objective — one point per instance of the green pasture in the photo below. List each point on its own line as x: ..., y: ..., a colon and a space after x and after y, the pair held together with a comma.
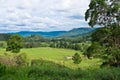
x: 58, y: 56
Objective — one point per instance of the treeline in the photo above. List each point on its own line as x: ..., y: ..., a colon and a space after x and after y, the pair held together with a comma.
x: 69, y: 44
x: 2, y: 45
x: 4, y: 37
x: 35, y: 44
x: 63, y: 44
x: 35, y: 41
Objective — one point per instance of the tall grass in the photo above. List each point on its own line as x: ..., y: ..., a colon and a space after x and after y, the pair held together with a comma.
x: 52, y: 71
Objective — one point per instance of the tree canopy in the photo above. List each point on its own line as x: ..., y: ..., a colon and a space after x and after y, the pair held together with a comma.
x: 105, y: 40
x: 14, y: 44
x: 103, y: 12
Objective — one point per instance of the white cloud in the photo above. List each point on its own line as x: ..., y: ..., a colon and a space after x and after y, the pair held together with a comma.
x: 42, y: 15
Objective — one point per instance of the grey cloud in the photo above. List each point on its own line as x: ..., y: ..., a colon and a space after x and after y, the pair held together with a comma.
x: 76, y: 17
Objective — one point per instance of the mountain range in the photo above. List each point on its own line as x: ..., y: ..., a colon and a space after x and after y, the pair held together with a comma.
x: 72, y: 33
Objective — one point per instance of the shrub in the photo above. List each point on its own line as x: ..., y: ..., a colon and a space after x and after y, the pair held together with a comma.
x: 76, y: 58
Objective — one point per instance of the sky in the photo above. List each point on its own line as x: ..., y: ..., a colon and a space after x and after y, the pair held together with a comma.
x: 42, y: 15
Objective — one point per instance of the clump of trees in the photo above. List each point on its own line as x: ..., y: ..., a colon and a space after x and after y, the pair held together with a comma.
x: 34, y: 41
x: 64, y: 44
x: 105, y: 40
x: 2, y: 45
x: 4, y: 37
x: 14, y: 44
x: 34, y: 38
x: 69, y: 44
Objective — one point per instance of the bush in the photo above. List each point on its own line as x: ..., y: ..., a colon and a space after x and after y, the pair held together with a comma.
x: 76, y: 58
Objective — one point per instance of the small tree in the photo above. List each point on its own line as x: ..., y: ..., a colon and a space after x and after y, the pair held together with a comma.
x: 76, y: 58
x: 14, y: 44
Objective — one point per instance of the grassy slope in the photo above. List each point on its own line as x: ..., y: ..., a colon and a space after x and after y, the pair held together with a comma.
x: 58, y: 56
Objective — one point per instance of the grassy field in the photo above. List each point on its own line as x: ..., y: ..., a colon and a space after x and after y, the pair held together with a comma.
x: 58, y: 56
x: 56, y: 67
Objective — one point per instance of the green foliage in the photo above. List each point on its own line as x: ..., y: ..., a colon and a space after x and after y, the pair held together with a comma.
x: 1, y: 45
x: 31, y: 44
x: 35, y: 41
x: 34, y: 38
x: 76, y: 58
x: 4, y: 37
x: 14, y: 44
x: 106, y: 45
x: 54, y: 70
x: 51, y: 71
x: 102, y: 13
x: 95, y: 50
x: 63, y: 43
x: 113, y: 56
x: 105, y: 41
x: 2, y: 69
x: 100, y: 34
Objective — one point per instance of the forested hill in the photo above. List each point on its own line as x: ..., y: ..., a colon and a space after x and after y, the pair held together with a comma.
x: 72, y: 33
x: 78, y: 32
x: 44, y: 34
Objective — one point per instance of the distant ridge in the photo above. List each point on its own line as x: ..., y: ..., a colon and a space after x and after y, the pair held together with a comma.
x: 78, y: 32
x: 44, y: 34
x: 72, y: 33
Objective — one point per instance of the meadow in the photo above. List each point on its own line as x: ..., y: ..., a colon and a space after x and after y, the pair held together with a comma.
x: 58, y: 56
x: 53, y: 65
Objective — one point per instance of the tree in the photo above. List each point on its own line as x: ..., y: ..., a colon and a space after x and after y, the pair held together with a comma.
x: 95, y: 50
x: 76, y: 58
x: 77, y: 47
x: 106, y: 45
x: 105, y: 40
x: 14, y: 44
x: 103, y: 12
